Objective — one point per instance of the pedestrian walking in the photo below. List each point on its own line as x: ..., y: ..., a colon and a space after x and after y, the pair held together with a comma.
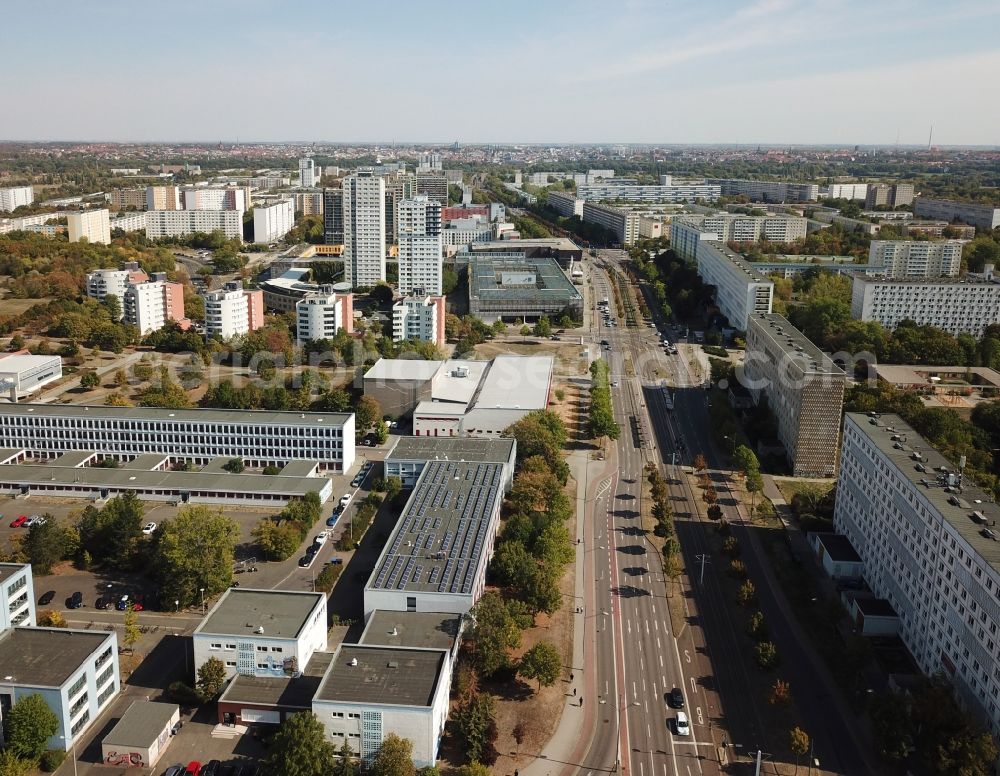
x: 581, y: 700
x: 574, y: 692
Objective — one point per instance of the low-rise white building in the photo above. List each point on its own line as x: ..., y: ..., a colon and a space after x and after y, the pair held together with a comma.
x: 320, y: 315
x: 844, y: 191
x: 272, y: 222
x: 917, y: 258
x: 22, y: 373
x: 419, y: 318
x: 740, y: 290
x: 91, y: 225
x: 688, y: 230
x: 410, y: 454
x: 263, y: 633
x: 17, y: 596
x: 177, y: 223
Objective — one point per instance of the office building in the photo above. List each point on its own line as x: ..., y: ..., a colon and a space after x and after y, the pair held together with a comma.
x: 198, y: 435
x: 420, y: 254
x: 74, y: 671
x: 321, y: 314
x: 177, y: 223
x: 740, y: 289
x: 163, y: 198
x: 22, y: 373
x: 102, y: 282
x: 410, y: 454
x: 916, y: 258
x: 307, y: 173
x: 565, y: 204
x: 624, y: 223
x: 513, y: 286
x: 888, y: 195
x: 233, y: 310
x: 959, y: 306
x: 983, y: 216
x: 804, y: 391
x: 127, y: 199
x: 418, y: 318
x: 272, y: 222
x: 844, y: 191
x: 633, y: 192
x: 13, y: 197
x: 90, y: 225
x: 148, y: 306
x: 262, y: 633
x: 17, y: 597
x: 333, y: 216
x: 433, y: 186
x: 767, y: 191
x: 435, y: 559
x: 364, y: 229
x: 928, y: 541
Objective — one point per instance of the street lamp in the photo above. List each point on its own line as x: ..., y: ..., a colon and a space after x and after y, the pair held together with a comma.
x: 177, y: 606
x: 202, y: 591
x: 63, y: 738
x: 618, y: 734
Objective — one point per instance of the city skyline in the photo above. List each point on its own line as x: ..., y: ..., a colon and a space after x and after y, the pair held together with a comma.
x: 766, y: 72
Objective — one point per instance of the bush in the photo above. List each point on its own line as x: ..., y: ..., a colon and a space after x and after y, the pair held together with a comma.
x: 271, y: 470
x: 184, y: 694
x: 757, y: 627
x: 731, y: 546
x: 327, y: 578
x: 737, y: 568
x: 51, y: 760
x: 747, y: 593
x: 766, y: 654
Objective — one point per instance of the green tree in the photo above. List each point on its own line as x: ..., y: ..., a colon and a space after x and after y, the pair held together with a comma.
x: 798, y: 742
x: 113, y: 305
x: 28, y: 726
x: 132, y: 632
x: 89, y: 380
x: 211, y: 678
x: 52, y: 618
x: 543, y: 328
x: 381, y: 431
x: 195, y: 550
x: 449, y: 281
x: 113, y: 534
x: 47, y: 544
x: 12, y: 765
x: 475, y: 724
x: 300, y: 748
x: 766, y: 654
x: 366, y: 412
x: 346, y: 763
x: 234, y: 465
x: 891, y: 726
x: 495, y: 634
x: 473, y: 769
x: 542, y: 662
x: 394, y: 758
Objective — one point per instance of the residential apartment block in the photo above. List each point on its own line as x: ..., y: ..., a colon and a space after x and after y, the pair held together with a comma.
x: 844, y: 191
x: 891, y: 195
x: 333, y: 216
x: 433, y: 185
x: 91, y: 225
x: 917, y: 258
x: 129, y: 222
x: 928, y: 541
x: 633, y: 192
x: 740, y: 290
x: 623, y: 222
x: 272, y: 222
x: 364, y: 228
x: 419, y: 318
x: 125, y: 199
x: 149, y: 306
x: 102, y: 282
x: 163, y: 198
x: 224, y: 198
x: 733, y: 227
x: 13, y: 197
x: 17, y: 596
x: 565, y: 204
x: 983, y: 216
x: 198, y: 435
x: 307, y: 173
x: 804, y: 390
x: 420, y: 256
x: 177, y: 223
x: 233, y: 310
x: 767, y: 191
x: 321, y: 314
x: 959, y: 306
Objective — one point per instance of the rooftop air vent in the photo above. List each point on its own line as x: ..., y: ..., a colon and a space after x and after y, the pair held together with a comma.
x: 353, y: 661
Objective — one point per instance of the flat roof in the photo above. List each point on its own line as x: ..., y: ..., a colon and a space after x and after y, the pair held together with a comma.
x: 438, y: 542
x: 839, y: 548
x: 100, y: 477
x: 382, y: 675
x: 956, y: 509
x: 439, y: 408
x: 421, y: 630
x: 141, y: 724
x: 197, y: 415
x: 146, y: 461
x: 7, y: 570
x: 458, y: 381
x: 287, y: 692
x: 965, y: 280
x: 241, y: 611
x: 554, y: 243
x: 424, y: 448
x: 18, y: 362
x: 486, y: 278
x: 73, y: 458
x: 795, y: 345
x: 874, y: 607
x: 403, y: 369
x: 516, y: 382
x: 739, y: 261
x: 920, y: 375
x: 46, y: 657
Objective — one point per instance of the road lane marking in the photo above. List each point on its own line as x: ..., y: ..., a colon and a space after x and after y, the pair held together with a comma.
x: 694, y: 686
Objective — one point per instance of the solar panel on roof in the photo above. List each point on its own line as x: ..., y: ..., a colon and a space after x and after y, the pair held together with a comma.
x: 416, y: 574
x: 406, y: 573
x: 432, y: 577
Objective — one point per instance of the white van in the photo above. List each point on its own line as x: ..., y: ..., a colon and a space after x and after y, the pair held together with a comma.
x: 681, y: 724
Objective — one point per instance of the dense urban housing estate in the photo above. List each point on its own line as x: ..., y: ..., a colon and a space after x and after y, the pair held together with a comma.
x: 740, y: 289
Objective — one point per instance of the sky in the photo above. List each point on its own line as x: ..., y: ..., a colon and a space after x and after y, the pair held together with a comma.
x: 518, y: 71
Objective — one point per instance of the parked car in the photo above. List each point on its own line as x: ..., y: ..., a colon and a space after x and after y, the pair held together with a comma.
x: 139, y: 602
x: 358, y: 479
x: 345, y: 499
x: 193, y: 768
x: 102, y: 603
x: 335, y: 562
x: 174, y: 770
x: 212, y: 768
x: 332, y: 519
x: 19, y: 521
x: 321, y: 537
x: 305, y: 560
x: 676, y: 698
x: 149, y: 528
x: 46, y: 597
x: 122, y: 603
x: 75, y: 601
x: 681, y: 724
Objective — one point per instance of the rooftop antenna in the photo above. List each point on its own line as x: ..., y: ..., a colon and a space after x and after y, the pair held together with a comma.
x: 930, y: 136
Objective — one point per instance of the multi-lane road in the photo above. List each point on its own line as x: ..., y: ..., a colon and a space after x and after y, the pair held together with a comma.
x: 638, y: 658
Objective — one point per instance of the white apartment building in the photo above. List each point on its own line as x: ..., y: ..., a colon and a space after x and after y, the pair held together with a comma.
x: 844, y: 191
x: 92, y: 225
x: 13, y: 197
x: 674, y: 192
x: 220, y: 198
x: 364, y: 228
x: 767, y: 191
x: 177, y: 223
x: 740, y: 290
x: 129, y: 222
x: 17, y: 596
x: 984, y: 216
x: 624, y: 223
x: 917, y: 258
x: 307, y: 173
x: 465, y: 231
x: 233, y: 310
x: 804, y: 390
x: 272, y: 222
x: 686, y: 234
x: 262, y: 633
x: 928, y: 542
x: 148, y: 306
x: 320, y: 315
x: 260, y: 438
x: 163, y: 198
x: 959, y: 306
x: 102, y: 282
x: 733, y: 227
x: 421, y: 258
x: 565, y: 204
x: 419, y: 318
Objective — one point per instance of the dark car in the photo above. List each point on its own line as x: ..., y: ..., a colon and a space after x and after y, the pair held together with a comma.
x: 122, y: 604
x: 46, y: 598
x: 211, y: 768
x: 104, y: 603
x: 676, y: 698
x: 305, y: 560
x: 75, y: 601
x: 174, y: 770
x: 335, y: 562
